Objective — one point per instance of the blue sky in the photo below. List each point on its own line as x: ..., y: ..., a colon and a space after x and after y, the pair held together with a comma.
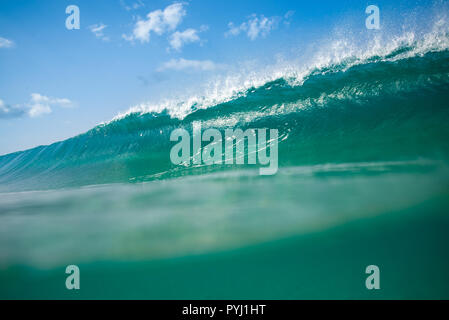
x: 56, y: 83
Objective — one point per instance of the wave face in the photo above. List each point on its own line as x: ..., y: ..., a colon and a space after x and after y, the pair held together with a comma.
x: 382, y: 108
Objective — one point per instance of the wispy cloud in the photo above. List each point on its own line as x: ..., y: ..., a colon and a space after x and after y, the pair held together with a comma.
x: 184, y: 64
x: 37, y: 105
x: 132, y: 5
x: 6, y: 43
x: 97, y: 30
x: 289, y: 14
x: 257, y: 26
x: 8, y: 111
x: 158, y: 22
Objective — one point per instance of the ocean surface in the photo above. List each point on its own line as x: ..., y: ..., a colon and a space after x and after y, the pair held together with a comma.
x: 363, y: 179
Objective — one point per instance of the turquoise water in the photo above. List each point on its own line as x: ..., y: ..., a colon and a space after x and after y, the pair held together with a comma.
x: 363, y: 179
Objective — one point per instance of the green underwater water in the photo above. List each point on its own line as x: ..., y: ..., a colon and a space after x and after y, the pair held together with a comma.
x: 307, y: 236
x: 363, y: 179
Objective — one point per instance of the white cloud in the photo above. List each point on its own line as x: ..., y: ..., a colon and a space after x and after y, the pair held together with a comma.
x: 255, y: 27
x: 5, y: 43
x: 8, y: 111
x: 97, y: 30
x: 133, y: 6
x: 183, y: 64
x: 3, y: 107
x: 38, y: 105
x: 127, y: 38
x: 5, y: 110
x: 178, y: 39
x: 159, y: 22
